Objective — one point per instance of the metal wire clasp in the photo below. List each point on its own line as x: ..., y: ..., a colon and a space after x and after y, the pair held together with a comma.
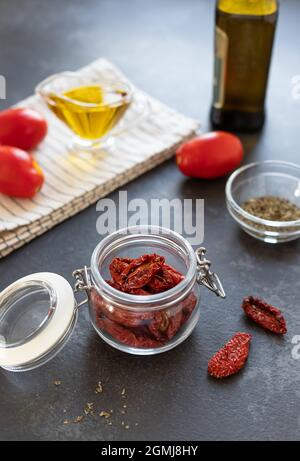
x: 82, y: 283
x: 205, y: 276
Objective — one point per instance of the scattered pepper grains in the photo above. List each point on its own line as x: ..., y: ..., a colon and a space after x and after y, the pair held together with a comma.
x: 105, y: 414
x: 99, y: 388
x: 89, y: 409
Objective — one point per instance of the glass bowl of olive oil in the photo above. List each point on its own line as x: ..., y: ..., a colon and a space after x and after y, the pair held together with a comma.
x: 91, y: 107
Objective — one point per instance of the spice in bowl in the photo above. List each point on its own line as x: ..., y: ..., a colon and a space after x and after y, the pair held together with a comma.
x: 272, y: 208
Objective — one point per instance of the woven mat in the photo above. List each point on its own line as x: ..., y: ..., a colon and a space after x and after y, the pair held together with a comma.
x: 73, y: 182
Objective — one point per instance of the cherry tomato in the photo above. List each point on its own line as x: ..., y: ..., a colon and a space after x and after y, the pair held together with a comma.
x: 210, y: 156
x: 20, y: 174
x: 21, y: 127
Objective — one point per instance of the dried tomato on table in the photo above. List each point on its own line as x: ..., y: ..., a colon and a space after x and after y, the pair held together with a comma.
x: 264, y: 314
x: 231, y: 358
x: 143, y: 276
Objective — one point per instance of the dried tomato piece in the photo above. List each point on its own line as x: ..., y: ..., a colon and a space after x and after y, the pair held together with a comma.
x: 127, y: 336
x: 264, y: 314
x: 165, y: 279
x: 95, y: 299
x: 133, y: 291
x: 117, y: 331
x: 176, y: 276
x: 188, y: 306
x: 140, y: 276
x: 162, y: 281
x: 231, y: 358
x: 114, y: 284
x: 159, y: 324
x: 174, y: 324
x: 140, y: 271
x: 117, y: 266
x: 165, y: 326
x: 120, y: 316
x: 145, y: 275
x: 144, y: 259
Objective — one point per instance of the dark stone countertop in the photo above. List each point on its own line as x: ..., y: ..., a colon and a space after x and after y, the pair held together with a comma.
x: 166, y: 48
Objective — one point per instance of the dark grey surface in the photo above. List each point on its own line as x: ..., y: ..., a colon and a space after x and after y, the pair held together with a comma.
x: 165, y: 46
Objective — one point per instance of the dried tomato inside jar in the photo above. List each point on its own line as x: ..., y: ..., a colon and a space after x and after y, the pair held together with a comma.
x: 146, y: 302
x: 143, y: 276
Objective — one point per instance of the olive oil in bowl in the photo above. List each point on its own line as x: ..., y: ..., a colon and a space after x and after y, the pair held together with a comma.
x: 90, y: 111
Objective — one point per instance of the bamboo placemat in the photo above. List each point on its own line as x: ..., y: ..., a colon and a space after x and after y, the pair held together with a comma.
x: 73, y: 182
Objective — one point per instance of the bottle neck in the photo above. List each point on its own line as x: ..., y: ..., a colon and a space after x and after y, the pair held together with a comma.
x: 248, y: 7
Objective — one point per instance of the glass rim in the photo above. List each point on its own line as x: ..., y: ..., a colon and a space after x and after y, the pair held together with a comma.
x: 128, y: 301
x: 17, y: 287
x: 39, y: 89
x: 247, y: 215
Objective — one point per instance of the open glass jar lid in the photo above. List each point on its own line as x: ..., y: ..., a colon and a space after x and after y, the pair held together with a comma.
x: 38, y: 313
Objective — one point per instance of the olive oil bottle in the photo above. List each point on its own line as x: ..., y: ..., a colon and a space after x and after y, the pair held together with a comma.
x: 244, y: 36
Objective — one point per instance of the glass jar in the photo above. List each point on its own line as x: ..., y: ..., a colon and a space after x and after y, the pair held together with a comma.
x: 38, y: 313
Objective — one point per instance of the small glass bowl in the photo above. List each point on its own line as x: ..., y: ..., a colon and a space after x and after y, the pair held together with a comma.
x: 271, y: 177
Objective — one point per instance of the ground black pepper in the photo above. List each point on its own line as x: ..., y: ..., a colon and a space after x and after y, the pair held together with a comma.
x: 272, y: 208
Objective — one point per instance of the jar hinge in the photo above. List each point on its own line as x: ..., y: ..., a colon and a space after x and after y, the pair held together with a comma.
x: 82, y: 283
x: 205, y: 276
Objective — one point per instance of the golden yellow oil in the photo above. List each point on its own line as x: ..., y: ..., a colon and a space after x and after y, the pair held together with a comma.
x: 90, y: 111
x: 244, y: 37
x: 251, y: 7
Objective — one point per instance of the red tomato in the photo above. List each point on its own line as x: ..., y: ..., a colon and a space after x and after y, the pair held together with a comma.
x: 20, y: 175
x: 210, y: 156
x: 21, y: 127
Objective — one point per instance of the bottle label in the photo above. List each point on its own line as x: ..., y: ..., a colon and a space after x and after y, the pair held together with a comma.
x: 221, y: 50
